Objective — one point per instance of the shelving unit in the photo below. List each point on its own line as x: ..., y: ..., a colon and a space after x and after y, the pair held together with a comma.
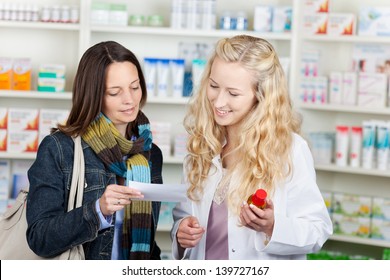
x: 65, y: 43
x: 336, y: 55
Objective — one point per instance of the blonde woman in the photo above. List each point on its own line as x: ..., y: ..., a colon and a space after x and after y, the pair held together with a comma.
x: 244, y: 135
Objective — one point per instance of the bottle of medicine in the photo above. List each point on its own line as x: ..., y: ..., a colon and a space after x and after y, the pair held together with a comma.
x: 258, y: 198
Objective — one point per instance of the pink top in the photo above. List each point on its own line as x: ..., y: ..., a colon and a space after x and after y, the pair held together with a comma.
x: 217, y: 247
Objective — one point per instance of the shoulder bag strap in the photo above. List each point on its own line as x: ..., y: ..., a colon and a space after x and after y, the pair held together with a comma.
x: 78, y: 173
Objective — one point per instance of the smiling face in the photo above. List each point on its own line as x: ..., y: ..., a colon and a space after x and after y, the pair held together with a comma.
x: 123, y: 94
x: 230, y: 92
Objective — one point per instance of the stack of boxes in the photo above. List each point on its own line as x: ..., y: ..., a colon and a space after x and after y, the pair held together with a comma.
x: 22, y: 129
x: 15, y: 74
x: 51, y: 78
x: 359, y: 215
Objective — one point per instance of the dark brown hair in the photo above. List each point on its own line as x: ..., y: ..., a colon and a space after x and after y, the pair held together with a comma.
x: 90, y: 84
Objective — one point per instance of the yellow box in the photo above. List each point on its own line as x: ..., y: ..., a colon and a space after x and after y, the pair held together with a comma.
x: 5, y: 73
x: 22, y: 74
x: 22, y: 141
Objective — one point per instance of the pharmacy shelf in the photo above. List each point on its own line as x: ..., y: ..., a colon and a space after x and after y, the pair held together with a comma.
x: 35, y: 94
x: 352, y: 170
x: 173, y: 160
x: 360, y: 240
x: 167, y: 100
x: 164, y: 228
x: 347, y: 39
x: 164, y: 31
x: 40, y: 25
x: 345, y: 109
x: 14, y: 155
x: 68, y: 96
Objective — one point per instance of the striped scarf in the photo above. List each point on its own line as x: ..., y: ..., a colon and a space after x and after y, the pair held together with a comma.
x: 112, y: 148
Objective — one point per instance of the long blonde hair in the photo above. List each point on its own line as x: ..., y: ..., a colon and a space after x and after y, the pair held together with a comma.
x: 266, y: 134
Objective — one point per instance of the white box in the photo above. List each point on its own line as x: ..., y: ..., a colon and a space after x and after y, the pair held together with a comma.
x: 49, y: 118
x: 381, y: 208
x: 5, y: 174
x: 22, y: 141
x: 380, y: 229
x: 262, y: 19
x: 281, y: 19
x: 354, y: 226
x: 341, y: 24
x: 335, y: 88
x: 315, y: 6
x: 20, y: 119
x: 315, y: 24
x: 374, y: 21
x: 372, y: 90
x: 321, y: 89
x: 349, y: 93
x: 352, y: 204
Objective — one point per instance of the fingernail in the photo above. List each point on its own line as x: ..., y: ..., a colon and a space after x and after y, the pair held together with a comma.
x: 251, y: 206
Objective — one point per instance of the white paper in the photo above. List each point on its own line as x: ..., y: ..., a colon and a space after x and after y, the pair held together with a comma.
x: 160, y: 192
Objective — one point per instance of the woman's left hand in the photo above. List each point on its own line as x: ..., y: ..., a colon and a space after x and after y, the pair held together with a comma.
x: 261, y: 220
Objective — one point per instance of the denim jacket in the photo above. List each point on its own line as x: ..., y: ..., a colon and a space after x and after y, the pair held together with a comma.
x: 51, y: 230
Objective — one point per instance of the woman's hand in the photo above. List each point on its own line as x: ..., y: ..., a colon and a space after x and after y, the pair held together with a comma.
x: 261, y: 220
x: 115, y: 197
x: 189, y: 232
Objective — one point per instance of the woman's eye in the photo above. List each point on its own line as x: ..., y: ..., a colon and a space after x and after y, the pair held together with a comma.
x: 232, y: 93
x: 135, y: 88
x: 213, y: 86
x: 111, y: 93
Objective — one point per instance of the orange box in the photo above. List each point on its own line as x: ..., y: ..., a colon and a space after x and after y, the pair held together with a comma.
x: 22, y: 74
x: 3, y: 140
x: 3, y: 118
x: 5, y: 73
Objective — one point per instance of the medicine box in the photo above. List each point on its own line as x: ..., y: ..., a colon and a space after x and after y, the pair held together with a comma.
x: 5, y: 173
x: 21, y: 78
x: 315, y: 6
x: 374, y: 21
x: 372, y: 89
x: 327, y: 196
x: 5, y: 73
x: 315, y: 24
x: 352, y: 204
x: 262, y: 20
x: 335, y: 87
x: 381, y: 208
x: 349, y: 92
x: 341, y: 24
x: 22, y: 141
x: 380, y: 229
x: 49, y: 118
x: 3, y: 140
x: 3, y: 118
x: 354, y: 226
x: 20, y: 119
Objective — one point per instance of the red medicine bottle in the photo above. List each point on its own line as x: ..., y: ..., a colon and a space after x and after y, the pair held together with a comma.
x: 258, y: 198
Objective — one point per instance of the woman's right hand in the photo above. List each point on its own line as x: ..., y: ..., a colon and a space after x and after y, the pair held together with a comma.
x: 116, y: 197
x: 189, y: 232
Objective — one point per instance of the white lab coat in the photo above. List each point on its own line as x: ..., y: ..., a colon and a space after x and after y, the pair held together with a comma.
x: 302, y: 222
